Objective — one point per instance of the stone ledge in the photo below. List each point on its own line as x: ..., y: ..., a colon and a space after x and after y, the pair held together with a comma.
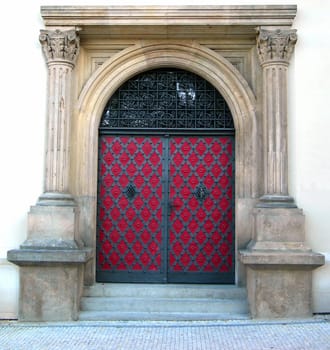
x: 252, y: 15
x: 37, y: 257
x: 284, y: 259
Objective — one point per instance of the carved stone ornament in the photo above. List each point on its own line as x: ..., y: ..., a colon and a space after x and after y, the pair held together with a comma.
x: 276, y: 45
x: 60, y: 45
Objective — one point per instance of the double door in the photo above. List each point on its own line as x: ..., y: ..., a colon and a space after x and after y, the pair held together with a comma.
x: 165, y: 209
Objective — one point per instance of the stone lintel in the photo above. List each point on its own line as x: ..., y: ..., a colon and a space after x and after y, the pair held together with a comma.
x: 244, y: 15
x: 46, y: 257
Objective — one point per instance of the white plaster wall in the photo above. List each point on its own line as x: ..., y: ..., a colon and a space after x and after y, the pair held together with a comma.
x: 309, y: 135
x: 23, y: 98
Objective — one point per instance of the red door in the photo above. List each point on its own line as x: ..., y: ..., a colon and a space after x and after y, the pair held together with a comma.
x: 201, y: 229
x: 165, y: 209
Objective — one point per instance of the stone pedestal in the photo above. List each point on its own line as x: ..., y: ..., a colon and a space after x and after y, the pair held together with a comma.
x: 278, y: 291
x: 279, y: 265
x: 279, y: 283
x: 51, y: 264
x: 52, y: 227
x: 51, y: 282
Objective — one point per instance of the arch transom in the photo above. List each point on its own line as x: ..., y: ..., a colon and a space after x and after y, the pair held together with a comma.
x: 167, y: 99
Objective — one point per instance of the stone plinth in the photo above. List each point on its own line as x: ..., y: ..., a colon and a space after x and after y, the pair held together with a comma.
x: 52, y: 227
x: 279, y: 265
x: 50, y: 282
x: 51, y: 262
x: 278, y: 228
x: 279, y: 283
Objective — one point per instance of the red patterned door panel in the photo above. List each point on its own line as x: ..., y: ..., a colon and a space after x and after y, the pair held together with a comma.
x: 201, y: 227
x: 130, y: 195
x: 166, y: 209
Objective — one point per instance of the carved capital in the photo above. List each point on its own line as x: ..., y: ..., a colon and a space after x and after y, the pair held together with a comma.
x: 276, y: 45
x: 62, y: 46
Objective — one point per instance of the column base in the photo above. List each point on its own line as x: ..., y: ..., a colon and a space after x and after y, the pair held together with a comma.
x: 53, y: 226
x: 51, y: 261
x: 279, y: 283
x: 51, y: 283
x: 56, y: 199
x: 279, y: 264
x: 276, y: 201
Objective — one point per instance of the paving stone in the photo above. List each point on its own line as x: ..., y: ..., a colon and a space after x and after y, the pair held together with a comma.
x: 256, y: 335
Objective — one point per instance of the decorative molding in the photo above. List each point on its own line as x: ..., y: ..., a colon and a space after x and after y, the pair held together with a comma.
x: 60, y: 45
x: 276, y: 45
x: 252, y: 15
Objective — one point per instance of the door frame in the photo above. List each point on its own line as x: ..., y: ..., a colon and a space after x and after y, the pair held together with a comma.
x: 151, y: 55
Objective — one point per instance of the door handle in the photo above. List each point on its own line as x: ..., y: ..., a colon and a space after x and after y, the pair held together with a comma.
x: 201, y: 192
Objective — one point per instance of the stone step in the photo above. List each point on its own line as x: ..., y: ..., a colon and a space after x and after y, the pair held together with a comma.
x: 132, y: 304
x: 163, y: 302
x: 158, y: 316
x: 165, y: 291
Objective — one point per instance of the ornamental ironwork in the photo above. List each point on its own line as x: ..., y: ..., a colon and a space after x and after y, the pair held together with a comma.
x: 167, y: 99
x: 166, y: 209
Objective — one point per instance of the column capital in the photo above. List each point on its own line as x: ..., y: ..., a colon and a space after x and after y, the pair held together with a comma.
x: 60, y: 46
x: 276, y: 46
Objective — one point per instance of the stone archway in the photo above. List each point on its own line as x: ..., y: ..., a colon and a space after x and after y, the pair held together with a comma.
x: 146, y: 56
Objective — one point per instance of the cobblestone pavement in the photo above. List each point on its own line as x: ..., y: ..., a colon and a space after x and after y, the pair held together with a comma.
x: 308, y: 334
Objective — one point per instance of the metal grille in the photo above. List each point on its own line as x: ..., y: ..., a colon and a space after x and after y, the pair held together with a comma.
x: 167, y: 99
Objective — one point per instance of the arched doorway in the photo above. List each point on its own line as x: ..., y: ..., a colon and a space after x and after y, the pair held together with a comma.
x: 166, y: 182
x: 103, y: 84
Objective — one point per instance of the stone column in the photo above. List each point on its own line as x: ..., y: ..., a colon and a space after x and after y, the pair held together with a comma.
x: 53, y: 221
x: 60, y: 49
x: 278, y: 262
x: 52, y: 258
x: 275, y: 49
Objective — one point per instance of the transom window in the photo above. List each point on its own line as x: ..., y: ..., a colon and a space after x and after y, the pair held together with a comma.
x: 167, y: 99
